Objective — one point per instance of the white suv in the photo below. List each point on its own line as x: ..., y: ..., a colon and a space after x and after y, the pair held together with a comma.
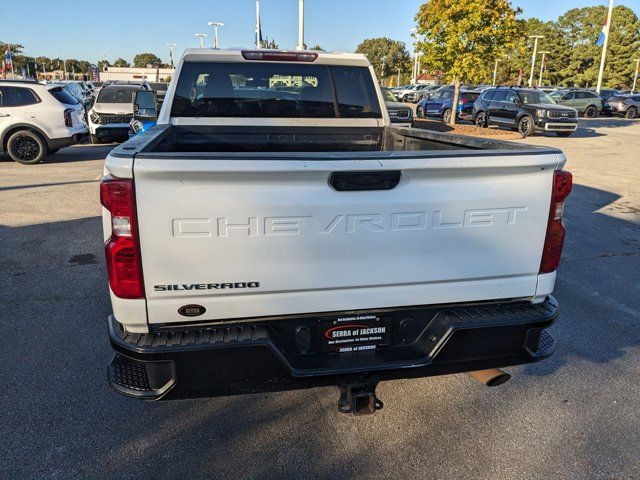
x: 38, y: 120
x: 111, y: 113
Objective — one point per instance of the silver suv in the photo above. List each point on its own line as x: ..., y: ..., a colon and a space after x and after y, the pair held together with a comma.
x: 626, y: 105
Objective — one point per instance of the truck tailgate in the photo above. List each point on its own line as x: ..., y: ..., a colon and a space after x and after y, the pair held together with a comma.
x: 247, y: 237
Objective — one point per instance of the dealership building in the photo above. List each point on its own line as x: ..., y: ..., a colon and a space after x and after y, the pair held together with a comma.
x: 132, y: 74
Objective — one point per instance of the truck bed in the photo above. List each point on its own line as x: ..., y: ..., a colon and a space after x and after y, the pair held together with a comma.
x: 167, y: 140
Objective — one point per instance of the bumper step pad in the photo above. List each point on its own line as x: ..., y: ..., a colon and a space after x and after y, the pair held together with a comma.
x: 149, y: 380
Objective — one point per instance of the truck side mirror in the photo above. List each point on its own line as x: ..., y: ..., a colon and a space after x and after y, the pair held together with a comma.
x: 145, y: 105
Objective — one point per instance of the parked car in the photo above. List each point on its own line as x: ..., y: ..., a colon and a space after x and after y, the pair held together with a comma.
x: 257, y: 239
x: 625, y: 105
x: 525, y: 110
x: 399, y: 113
x: 606, y: 94
x: 111, y: 114
x: 416, y: 95
x: 440, y: 104
x: 585, y: 102
x: 37, y: 120
x: 403, y: 95
x: 160, y: 89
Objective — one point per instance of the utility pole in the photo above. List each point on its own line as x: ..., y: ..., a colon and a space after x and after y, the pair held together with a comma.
x: 635, y: 76
x: 258, y: 27
x: 414, y: 33
x: 171, y: 47
x: 300, y: 24
x: 533, y: 57
x: 215, y: 26
x: 201, y: 36
x: 604, y: 47
x: 495, y: 72
x: 544, y: 54
x: 398, y: 84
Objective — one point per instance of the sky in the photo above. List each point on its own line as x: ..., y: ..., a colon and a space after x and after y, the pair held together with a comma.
x: 91, y: 29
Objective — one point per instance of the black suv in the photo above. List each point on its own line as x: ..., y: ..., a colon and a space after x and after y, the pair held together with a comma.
x: 525, y: 110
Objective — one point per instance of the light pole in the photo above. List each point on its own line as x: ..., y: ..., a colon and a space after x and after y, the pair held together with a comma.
x: 544, y: 55
x: 533, y: 57
x: 300, y: 24
x: 215, y: 26
x: 171, y: 47
x: 414, y: 34
x: 495, y: 71
x: 635, y: 76
x: 604, y: 47
x: 201, y: 36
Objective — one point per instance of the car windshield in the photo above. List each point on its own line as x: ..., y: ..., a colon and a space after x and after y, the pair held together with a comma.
x: 388, y: 95
x: 116, y: 95
x: 274, y: 90
x: 535, y: 96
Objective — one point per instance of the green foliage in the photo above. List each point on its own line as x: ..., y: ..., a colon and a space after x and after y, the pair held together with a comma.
x: 317, y: 48
x: 143, y: 59
x: 102, y: 65
x: 464, y: 38
x: 387, y: 56
x: 121, y: 62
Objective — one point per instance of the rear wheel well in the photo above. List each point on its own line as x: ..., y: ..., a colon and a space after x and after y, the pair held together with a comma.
x: 16, y: 128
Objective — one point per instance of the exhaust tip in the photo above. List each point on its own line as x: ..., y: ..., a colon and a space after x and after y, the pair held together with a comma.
x: 491, y: 377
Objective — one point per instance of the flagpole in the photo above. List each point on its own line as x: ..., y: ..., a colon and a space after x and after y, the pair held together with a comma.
x: 258, y: 32
x: 604, y: 48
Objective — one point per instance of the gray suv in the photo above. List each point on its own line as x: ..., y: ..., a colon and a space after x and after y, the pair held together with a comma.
x: 626, y: 105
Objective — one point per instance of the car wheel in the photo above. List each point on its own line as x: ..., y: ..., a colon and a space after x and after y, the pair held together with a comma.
x: 446, y: 116
x: 631, y: 112
x: 590, y: 112
x: 420, y: 112
x: 94, y: 139
x: 481, y: 120
x: 26, y: 147
x: 525, y: 126
x: 564, y: 134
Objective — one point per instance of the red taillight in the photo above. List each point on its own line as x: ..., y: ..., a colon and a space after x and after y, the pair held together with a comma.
x: 122, y: 250
x: 276, y: 56
x: 554, y: 240
x: 68, y: 121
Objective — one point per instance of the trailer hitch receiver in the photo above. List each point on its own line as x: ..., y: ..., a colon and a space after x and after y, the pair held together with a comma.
x: 359, y: 399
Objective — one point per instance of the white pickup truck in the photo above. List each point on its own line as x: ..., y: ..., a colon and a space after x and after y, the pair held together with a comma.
x: 273, y: 231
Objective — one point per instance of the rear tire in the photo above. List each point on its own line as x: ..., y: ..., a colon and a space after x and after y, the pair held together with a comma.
x: 95, y: 140
x: 564, y: 134
x: 446, y: 116
x: 590, y: 112
x: 481, y: 120
x: 631, y: 113
x: 525, y: 126
x: 419, y: 112
x: 26, y: 147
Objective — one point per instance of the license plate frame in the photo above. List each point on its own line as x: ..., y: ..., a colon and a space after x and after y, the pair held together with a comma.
x: 355, y: 333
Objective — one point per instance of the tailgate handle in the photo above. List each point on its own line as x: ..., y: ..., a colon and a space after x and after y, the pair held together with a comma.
x: 355, y: 181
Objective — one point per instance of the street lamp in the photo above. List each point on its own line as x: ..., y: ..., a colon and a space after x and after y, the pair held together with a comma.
x: 171, y: 47
x: 533, y: 57
x: 544, y: 54
x: 495, y: 71
x: 414, y: 34
x: 300, y: 24
x: 635, y: 76
x: 201, y: 36
x: 215, y: 26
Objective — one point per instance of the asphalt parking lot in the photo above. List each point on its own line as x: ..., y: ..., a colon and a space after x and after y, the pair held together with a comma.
x: 574, y: 416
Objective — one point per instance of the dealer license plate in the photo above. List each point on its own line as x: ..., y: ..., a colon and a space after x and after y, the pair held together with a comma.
x: 356, y: 333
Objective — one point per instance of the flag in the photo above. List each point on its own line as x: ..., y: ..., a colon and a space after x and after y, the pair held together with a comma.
x: 603, y: 34
x: 7, y: 59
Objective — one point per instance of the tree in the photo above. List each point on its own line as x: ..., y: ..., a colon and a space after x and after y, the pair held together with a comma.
x: 103, y: 64
x: 317, y: 48
x: 464, y: 38
x: 121, y: 62
x: 581, y: 26
x: 387, y: 56
x: 143, y: 59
